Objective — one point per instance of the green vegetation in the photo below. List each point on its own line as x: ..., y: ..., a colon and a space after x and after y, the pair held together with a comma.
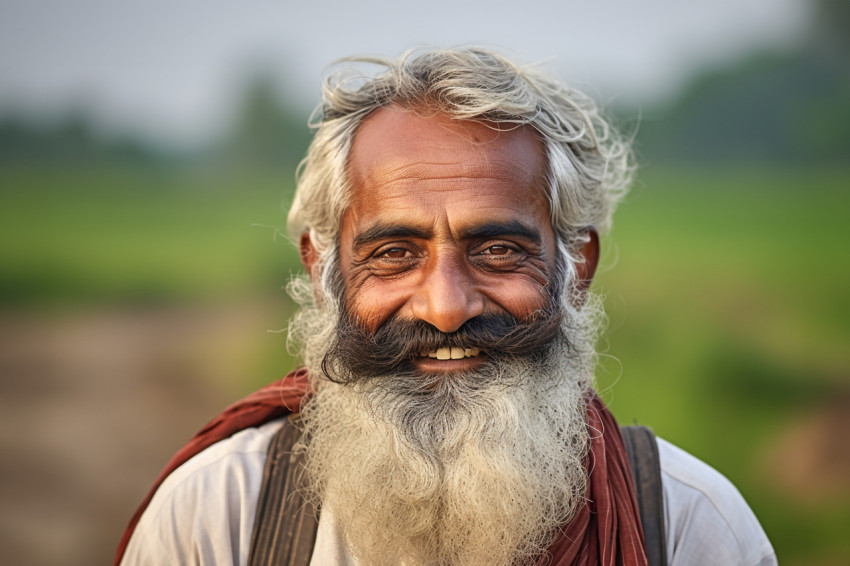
x: 728, y: 302
x: 139, y: 236
x: 727, y: 295
x: 727, y: 284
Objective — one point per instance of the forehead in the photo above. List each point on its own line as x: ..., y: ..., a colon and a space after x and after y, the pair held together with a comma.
x: 399, y: 154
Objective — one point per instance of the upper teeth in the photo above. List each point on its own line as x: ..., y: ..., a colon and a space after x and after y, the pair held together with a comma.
x: 452, y: 353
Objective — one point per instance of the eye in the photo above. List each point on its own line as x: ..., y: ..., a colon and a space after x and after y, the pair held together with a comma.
x: 497, y: 250
x: 394, y: 253
x: 499, y: 255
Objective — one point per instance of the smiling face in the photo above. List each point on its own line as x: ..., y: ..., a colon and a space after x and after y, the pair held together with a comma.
x: 447, y: 221
x: 446, y: 246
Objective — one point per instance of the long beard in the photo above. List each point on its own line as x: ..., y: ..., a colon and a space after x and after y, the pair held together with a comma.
x: 476, y: 468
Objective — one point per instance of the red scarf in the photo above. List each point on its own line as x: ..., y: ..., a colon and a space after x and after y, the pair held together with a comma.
x: 605, y: 531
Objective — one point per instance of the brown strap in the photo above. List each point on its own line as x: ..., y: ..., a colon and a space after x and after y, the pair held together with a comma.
x: 273, y: 401
x: 644, y: 461
x: 285, y: 525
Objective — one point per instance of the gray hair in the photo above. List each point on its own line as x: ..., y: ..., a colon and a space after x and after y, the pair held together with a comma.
x: 589, y: 163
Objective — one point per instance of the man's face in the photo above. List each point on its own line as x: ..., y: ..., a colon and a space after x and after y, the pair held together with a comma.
x: 447, y: 242
x: 447, y: 221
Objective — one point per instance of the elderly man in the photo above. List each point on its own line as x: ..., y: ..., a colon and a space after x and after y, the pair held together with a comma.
x: 448, y: 214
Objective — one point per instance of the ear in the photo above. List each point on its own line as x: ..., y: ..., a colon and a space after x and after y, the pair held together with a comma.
x: 589, y: 252
x: 309, y: 254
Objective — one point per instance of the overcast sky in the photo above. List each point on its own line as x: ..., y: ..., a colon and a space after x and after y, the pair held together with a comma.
x: 170, y: 68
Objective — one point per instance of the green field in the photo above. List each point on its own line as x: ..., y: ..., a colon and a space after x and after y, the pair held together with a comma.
x: 728, y: 296
x: 95, y: 237
x: 729, y: 304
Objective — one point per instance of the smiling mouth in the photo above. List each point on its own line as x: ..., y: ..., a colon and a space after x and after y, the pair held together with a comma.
x: 451, y: 353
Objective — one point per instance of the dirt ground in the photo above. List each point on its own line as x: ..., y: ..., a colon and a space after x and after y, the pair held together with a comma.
x: 93, y: 404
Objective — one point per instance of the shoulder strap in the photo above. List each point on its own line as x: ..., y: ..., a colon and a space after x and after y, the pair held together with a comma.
x: 642, y: 451
x: 285, y: 525
x: 271, y: 402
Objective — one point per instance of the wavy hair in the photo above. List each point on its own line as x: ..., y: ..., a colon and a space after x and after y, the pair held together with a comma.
x: 589, y: 163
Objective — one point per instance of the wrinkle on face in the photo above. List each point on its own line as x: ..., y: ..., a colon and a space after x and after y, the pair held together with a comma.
x: 436, y: 196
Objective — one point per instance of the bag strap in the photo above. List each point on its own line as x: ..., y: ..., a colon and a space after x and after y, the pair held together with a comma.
x: 273, y: 401
x: 285, y: 524
x: 645, y: 463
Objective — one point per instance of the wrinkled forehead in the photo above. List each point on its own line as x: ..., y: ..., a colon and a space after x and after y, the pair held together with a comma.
x: 395, y: 145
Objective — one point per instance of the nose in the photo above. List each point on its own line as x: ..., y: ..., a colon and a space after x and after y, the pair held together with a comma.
x: 447, y: 296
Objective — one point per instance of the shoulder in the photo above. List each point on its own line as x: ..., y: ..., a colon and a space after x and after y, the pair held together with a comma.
x: 706, y: 518
x: 203, y: 512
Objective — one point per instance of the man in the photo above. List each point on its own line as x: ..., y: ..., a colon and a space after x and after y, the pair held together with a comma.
x: 448, y: 214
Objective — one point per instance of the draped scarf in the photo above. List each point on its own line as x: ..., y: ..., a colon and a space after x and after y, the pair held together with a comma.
x: 605, y: 531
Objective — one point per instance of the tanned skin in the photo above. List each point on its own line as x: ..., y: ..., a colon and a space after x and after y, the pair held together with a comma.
x: 447, y: 220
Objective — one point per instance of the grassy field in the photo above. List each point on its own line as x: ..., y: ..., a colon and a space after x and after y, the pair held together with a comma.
x: 95, y: 237
x: 728, y: 296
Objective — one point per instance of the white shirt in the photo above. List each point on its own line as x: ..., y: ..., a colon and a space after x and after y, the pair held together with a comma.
x: 203, y: 513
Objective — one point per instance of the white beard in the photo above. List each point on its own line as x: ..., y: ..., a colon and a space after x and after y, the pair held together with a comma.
x: 461, y: 475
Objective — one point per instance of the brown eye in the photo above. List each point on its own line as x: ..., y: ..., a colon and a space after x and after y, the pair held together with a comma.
x: 395, y: 253
x: 498, y: 250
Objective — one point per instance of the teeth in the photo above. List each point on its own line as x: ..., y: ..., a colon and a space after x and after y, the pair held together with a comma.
x: 451, y: 353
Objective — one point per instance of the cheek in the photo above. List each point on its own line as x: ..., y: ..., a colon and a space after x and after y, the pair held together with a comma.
x: 520, y: 299
x: 371, y: 303
x: 519, y: 293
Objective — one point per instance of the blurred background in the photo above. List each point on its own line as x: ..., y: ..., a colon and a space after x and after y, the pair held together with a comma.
x: 147, y: 157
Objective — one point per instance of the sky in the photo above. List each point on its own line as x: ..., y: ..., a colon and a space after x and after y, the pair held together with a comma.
x: 170, y: 70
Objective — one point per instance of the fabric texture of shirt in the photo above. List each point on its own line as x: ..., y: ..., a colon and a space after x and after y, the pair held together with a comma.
x: 203, y: 513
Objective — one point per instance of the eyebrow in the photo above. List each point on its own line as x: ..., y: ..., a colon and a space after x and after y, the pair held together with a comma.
x: 513, y: 228
x: 388, y: 231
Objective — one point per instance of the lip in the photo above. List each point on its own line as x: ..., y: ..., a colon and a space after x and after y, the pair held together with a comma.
x: 433, y: 365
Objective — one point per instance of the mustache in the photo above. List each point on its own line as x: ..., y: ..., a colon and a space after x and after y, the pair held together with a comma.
x: 358, y: 355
